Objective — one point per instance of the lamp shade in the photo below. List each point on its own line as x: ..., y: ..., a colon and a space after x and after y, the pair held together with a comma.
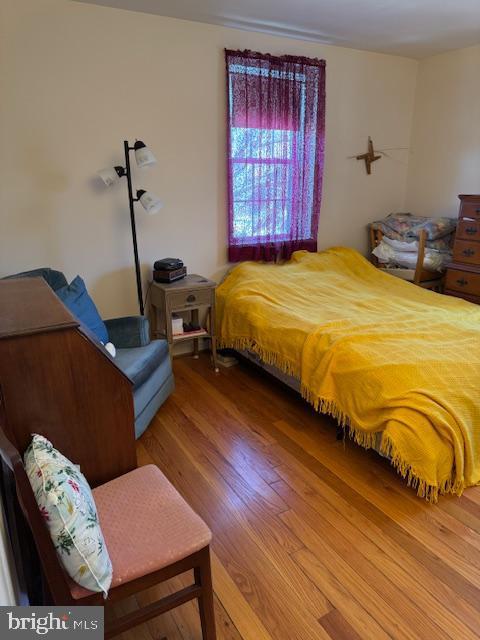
x: 143, y: 155
x: 149, y: 201
x: 111, y: 175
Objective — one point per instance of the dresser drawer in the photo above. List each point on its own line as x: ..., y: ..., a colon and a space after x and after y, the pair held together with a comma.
x: 463, y: 281
x: 468, y: 252
x: 464, y: 296
x: 185, y: 299
x: 470, y: 210
x: 468, y: 230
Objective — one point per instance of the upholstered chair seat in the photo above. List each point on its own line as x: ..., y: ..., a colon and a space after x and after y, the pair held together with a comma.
x: 146, y: 524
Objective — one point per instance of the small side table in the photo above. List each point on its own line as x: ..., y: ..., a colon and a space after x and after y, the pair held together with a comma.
x: 189, y: 294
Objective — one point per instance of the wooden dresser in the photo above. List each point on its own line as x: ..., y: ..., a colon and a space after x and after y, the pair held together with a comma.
x: 57, y: 381
x: 463, y: 273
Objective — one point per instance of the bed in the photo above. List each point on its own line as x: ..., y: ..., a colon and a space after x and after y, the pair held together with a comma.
x: 395, y: 364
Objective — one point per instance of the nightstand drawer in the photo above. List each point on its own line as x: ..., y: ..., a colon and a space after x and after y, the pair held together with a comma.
x: 468, y: 230
x: 186, y: 299
x: 463, y: 281
x: 468, y: 252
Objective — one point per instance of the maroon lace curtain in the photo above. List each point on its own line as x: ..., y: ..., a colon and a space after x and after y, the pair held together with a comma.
x: 276, y: 132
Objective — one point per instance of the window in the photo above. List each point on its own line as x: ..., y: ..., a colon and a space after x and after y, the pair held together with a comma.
x: 275, y: 154
x: 262, y: 175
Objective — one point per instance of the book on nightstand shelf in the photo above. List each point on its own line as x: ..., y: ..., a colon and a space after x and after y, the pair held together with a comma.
x: 177, y: 324
x: 190, y: 334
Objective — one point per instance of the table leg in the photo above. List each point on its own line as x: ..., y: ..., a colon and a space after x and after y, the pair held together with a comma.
x: 211, y: 317
x: 195, y: 340
x: 214, y: 354
x: 168, y: 329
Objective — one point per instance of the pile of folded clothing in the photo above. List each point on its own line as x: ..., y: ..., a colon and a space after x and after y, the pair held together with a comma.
x: 399, y: 244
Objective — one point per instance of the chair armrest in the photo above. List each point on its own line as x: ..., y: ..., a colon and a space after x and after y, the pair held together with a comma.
x: 128, y: 332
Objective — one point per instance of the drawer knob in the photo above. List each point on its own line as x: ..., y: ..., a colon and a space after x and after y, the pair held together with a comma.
x: 471, y: 231
x: 462, y: 282
x: 468, y: 252
x: 191, y: 298
x: 477, y: 210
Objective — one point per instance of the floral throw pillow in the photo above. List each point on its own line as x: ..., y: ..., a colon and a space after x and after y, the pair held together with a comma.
x: 66, y: 502
x: 400, y: 226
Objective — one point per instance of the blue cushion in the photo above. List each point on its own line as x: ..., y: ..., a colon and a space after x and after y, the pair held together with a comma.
x: 140, y: 362
x: 75, y: 297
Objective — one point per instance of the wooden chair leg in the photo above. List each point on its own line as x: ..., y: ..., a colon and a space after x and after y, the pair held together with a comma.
x: 203, y: 578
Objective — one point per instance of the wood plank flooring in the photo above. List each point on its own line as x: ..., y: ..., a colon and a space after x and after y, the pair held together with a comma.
x: 313, y: 538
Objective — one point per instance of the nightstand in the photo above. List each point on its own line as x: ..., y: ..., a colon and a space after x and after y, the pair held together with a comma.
x: 188, y: 294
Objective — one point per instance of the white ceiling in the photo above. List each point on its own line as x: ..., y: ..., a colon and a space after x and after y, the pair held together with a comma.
x: 413, y: 28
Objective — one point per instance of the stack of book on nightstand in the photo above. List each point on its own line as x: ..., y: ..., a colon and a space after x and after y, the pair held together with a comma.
x: 193, y: 329
x: 182, y: 329
x: 177, y: 325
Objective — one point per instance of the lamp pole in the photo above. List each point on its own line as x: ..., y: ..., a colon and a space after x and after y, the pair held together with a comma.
x: 131, y: 200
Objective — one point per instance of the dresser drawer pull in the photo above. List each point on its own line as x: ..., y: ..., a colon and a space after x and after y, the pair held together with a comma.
x: 191, y: 298
x: 468, y: 252
x: 462, y: 282
x: 471, y: 231
x: 477, y: 210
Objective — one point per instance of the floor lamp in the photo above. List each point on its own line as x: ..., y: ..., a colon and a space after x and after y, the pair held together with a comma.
x: 144, y: 158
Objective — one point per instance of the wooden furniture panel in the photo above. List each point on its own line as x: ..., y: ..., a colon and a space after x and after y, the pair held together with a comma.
x: 24, y: 311
x: 463, y: 273
x: 57, y: 380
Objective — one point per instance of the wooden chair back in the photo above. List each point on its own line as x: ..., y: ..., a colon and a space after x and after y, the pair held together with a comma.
x: 375, y: 237
x: 419, y: 274
x: 419, y: 270
x: 13, y: 463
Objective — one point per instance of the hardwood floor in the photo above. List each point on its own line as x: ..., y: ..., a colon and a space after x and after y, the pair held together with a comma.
x: 313, y: 538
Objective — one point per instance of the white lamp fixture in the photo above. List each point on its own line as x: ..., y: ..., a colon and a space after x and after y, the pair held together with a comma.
x: 144, y: 158
x: 143, y: 155
x: 149, y: 201
x: 111, y: 175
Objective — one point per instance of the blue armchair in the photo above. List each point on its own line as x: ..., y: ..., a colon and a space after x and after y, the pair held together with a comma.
x: 146, y: 362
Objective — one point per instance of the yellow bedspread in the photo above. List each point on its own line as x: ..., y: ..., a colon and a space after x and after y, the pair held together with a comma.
x: 377, y: 353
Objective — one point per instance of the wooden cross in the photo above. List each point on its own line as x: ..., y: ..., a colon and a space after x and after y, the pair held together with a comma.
x: 369, y: 157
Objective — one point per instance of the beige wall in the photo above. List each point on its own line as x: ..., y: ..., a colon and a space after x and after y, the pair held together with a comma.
x: 76, y: 79
x: 445, y: 159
